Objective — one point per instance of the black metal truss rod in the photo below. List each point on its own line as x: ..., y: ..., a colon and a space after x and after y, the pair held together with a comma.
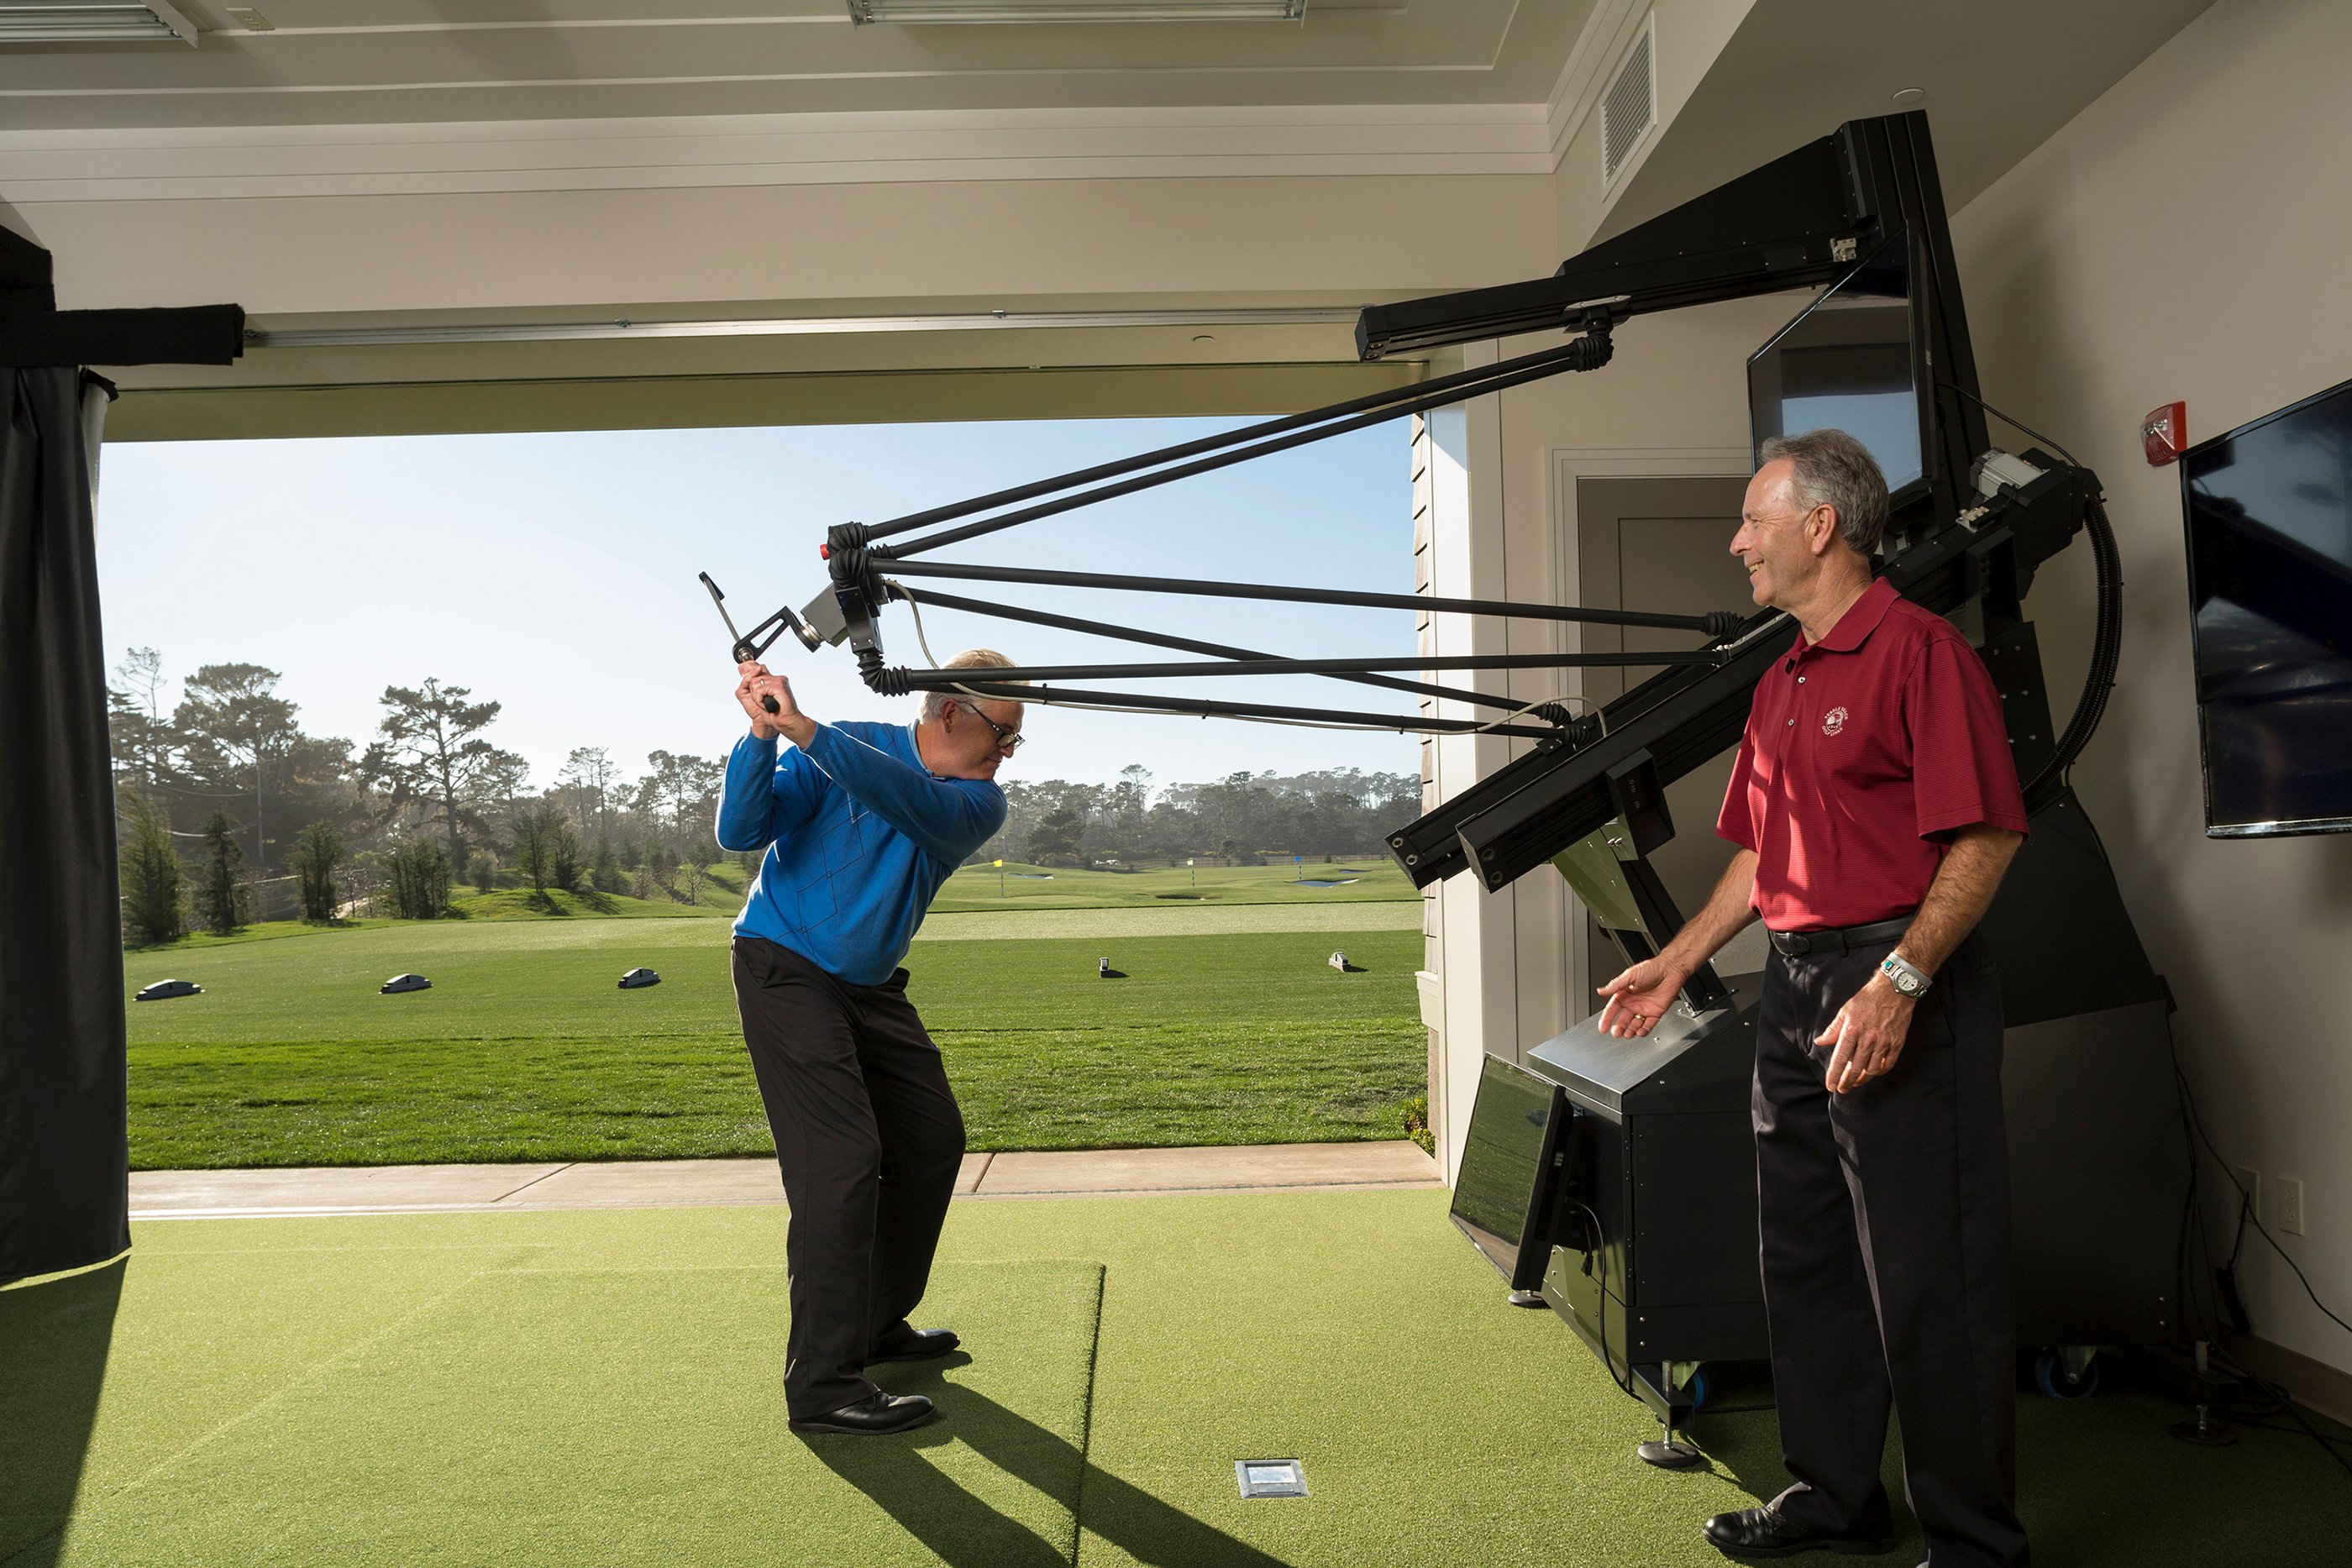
x: 890, y: 681
x: 1716, y: 623
x: 1203, y: 708
x: 1184, y: 645
x: 1194, y: 448
x: 1588, y: 352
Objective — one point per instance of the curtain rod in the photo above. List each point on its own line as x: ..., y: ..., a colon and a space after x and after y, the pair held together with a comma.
x: 791, y: 326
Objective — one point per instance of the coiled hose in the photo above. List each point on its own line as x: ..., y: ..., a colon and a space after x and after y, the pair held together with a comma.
x: 2106, y: 651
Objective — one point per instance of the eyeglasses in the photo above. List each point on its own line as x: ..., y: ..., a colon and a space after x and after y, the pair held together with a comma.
x: 1008, y: 741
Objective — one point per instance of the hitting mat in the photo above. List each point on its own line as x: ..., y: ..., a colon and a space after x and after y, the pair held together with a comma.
x: 582, y: 1415
x: 599, y: 1386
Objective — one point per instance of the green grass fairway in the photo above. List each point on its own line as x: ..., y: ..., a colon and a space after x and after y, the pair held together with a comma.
x: 600, y: 1387
x: 526, y: 1050
x: 1371, y: 879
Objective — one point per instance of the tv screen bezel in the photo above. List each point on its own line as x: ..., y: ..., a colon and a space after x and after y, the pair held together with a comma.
x: 2284, y: 828
x: 1922, y: 373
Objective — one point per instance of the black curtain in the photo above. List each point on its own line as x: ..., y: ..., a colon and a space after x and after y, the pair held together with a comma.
x: 64, y: 1146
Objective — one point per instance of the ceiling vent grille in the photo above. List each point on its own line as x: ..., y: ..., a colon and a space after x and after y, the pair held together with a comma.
x: 95, y: 22
x: 1630, y: 105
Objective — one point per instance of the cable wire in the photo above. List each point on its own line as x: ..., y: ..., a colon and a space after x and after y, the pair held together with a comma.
x: 1043, y: 700
x: 2021, y: 429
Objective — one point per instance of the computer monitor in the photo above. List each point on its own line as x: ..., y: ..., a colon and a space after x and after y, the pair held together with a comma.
x: 1503, y: 1191
x: 1850, y: 361
x: 2269, y: 510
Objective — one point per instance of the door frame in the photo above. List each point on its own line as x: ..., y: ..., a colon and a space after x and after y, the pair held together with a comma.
x: 1566, y: 465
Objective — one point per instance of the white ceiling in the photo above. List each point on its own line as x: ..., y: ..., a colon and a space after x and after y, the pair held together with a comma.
x: 1999, y: 76
x: 469, y: 60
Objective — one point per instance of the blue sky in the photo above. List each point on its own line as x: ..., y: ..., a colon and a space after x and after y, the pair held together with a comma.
x: 555, y: 573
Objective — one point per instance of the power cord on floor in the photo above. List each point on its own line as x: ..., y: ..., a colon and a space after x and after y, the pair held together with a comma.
x: 2192, y: 1132
x: 2333, y: 1448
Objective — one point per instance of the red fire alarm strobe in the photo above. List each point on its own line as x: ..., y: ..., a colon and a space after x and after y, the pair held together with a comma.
x: 2164, y: 434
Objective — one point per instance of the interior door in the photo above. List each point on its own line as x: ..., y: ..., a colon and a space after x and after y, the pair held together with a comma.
x: 1664, y: 544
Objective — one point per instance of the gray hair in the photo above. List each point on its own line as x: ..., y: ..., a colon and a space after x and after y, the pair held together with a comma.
x: 937, y: 702
x: 1834, y: 470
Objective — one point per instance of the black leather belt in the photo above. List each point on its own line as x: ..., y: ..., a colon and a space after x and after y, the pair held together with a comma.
x: 1797, y: 944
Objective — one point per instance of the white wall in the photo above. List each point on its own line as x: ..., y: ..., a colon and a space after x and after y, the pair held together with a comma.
x: 1511, y: 972
x: 2185, y: 237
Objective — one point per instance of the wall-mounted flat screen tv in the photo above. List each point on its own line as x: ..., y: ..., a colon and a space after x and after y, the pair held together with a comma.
x: 2270, y: 592
x: 1848, y: 363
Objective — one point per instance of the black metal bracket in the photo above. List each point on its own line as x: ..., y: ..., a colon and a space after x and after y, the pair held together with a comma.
x: 750, y: 646
x: 34, y: 332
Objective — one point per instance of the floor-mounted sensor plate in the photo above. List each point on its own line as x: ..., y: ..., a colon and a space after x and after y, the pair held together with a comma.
x: 1271, y: 1478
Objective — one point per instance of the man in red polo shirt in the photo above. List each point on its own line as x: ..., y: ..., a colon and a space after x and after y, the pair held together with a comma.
x: 1875, y: 806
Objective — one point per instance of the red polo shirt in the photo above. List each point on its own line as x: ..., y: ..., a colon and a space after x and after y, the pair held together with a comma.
x: 1864, y: 753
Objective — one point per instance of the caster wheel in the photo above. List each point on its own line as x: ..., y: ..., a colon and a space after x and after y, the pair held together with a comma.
x: 1700, y: 1394
x: 2050, y: 1376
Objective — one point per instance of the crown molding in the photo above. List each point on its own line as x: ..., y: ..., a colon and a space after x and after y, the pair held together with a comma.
x: 246, y: 161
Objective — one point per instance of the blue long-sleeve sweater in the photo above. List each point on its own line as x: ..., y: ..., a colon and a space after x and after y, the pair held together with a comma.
x: 859, y: 835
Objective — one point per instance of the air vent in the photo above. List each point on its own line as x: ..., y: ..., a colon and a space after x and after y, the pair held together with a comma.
x: 1630, y: 105
x: 95, y: 22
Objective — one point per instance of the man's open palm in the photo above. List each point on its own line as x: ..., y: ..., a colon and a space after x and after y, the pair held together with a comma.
x: 1638, y: 999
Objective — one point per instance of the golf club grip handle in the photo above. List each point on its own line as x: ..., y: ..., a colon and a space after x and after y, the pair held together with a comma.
x: 770, y: 703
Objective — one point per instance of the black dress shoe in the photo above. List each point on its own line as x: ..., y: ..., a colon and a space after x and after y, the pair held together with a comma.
x: 876, y: 1415
x: 912, y: 1344
x: 1763, y: 1532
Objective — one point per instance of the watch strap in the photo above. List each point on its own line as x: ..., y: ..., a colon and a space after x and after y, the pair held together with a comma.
x: 1906, y: 977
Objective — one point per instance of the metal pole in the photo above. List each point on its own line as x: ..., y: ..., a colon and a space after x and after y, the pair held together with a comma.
x: 1186, y: 644
x: 948, y: 680
x: 1211, y: 444
x: 1715, y: 624
x: 1584, y: 353
x: 996, y: 691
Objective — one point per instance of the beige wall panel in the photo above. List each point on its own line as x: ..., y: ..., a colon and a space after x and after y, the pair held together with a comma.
x: 2183, y: 238
x: 1340, y: 238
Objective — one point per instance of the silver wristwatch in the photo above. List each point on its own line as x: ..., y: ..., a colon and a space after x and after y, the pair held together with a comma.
x: 1907, y: 978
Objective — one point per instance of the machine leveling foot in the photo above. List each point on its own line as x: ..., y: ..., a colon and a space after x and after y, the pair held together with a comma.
x: 2205, y: 1431
x: 1670, y: 1452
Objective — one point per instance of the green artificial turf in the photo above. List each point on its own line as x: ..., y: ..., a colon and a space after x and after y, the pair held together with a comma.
x: 596, y: 1386
x: 641, y: 1400
x: 526, y: 1049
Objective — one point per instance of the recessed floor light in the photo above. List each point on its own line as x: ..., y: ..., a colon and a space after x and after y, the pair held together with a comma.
x: 1271, y: 1478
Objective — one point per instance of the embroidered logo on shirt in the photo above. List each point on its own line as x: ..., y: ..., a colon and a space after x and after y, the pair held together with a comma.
x: 1833, y: 721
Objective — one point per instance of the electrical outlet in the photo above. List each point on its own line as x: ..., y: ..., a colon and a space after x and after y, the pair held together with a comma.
x: 2290, y: 1206
x: 2251, y: 1181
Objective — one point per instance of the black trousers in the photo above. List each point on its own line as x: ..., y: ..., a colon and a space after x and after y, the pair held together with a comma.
x: 869, y: 1138
x: 1884, y: 1238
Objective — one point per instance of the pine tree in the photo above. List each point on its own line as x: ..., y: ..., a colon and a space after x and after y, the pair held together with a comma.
x: 223, y: 899
x: 605, y: 876
x: 317, y: 851
x: 417, y: 870
x: 151, y: 914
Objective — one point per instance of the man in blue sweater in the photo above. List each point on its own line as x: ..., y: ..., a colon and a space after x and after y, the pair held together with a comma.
x: 861, y: 823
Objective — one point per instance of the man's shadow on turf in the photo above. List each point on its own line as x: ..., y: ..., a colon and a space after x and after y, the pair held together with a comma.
x: 967, y: 1532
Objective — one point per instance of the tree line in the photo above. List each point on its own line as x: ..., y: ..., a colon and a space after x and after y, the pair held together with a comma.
x: 1242, y: 818
x: 230, y: 810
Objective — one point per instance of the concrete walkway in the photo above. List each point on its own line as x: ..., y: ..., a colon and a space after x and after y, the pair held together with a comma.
x: 664, y: 1183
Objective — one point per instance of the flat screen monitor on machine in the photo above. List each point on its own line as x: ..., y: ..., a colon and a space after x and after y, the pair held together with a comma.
x: 1851, y: 361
